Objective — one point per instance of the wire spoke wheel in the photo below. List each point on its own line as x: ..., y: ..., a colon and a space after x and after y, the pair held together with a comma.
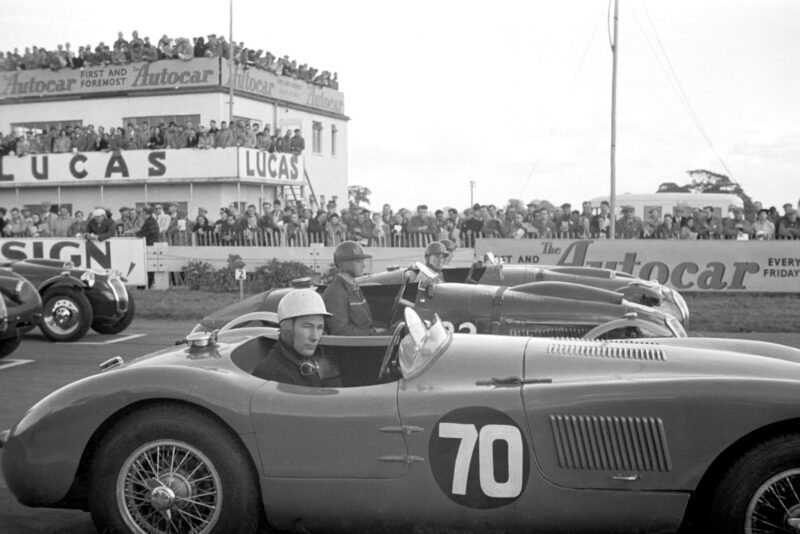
x: 775, y: 506
x: 168, y: 486
x: 63, y: 316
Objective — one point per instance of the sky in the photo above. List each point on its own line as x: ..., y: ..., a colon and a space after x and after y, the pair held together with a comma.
x: 514, y: 96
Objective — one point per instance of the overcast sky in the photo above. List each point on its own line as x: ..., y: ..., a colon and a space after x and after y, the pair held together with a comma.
x: 514, y: 95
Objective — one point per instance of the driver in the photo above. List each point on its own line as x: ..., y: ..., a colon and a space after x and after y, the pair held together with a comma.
x: 296, y: 358
x: 435, y: 256
x: 350, y: 313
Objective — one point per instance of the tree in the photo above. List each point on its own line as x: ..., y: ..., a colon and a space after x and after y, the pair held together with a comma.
x: 704, y: 181
x: 358, y: 194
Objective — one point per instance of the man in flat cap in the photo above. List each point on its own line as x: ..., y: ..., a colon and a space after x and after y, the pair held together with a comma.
x: 629, y: 226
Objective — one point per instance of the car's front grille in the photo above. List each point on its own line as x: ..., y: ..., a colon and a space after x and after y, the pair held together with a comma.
x: 610, y: 443
x: 548, y: 331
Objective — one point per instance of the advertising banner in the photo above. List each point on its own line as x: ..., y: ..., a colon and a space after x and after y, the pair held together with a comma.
x: 740, y: 266
x: 166, y: 74
x: 119, y: 166
x: 275, y: 168
x: 264, y: 83
x: 126, y: 255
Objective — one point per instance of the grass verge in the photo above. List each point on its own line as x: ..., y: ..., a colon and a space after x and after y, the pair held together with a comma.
x: 710, y: 312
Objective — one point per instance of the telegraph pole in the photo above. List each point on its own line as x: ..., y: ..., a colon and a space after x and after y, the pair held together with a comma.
x: 230, y: 66
x: 613, y: 195
x: 471, y: 189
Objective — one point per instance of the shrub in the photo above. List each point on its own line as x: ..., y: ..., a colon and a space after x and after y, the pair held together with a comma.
x: 226, y: 277
x: 277, y: 273
x: 198, y: 275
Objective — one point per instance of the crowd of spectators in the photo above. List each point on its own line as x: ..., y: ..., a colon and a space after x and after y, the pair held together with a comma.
x: 145, y: 136
x: 273, y: 224
x: 123, y: 51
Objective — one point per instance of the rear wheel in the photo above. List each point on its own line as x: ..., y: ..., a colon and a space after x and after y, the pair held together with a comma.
x: 9, y: 345
x: 173, y: 469
x: 67, y: 314
x: 760, y: 493
x: 120, y: 325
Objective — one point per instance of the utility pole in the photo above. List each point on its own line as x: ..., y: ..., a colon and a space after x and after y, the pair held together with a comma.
x: 613, y: 196
x: 230, y: 67
x: 471, y: 189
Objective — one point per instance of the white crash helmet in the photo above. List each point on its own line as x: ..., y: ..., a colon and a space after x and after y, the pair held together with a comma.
x: 300, y: 302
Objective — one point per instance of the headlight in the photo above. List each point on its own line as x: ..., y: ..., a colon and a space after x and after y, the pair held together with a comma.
x: 88, y: 278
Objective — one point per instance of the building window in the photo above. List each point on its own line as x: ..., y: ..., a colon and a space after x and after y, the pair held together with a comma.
x: 33, y: 127
x: 316, y: 139
x: 156, y: 120
x: 334, y: 139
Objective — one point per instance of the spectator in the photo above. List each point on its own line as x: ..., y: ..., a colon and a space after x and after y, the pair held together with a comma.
x: 668, y: 229
x: 61, y: 225
x: 225, y: 137
x: 763, y: 228
x: 422, y: 223
x: 708, y: 225
x: 734, y: 227
x: 100, y: 227
x: 788, y: 225
x: 230, y: 231
x: 688, y: 230
x: 297, y: 143
x: 126, y: 219
x: 335, y: 231
x: 203, y: 231
x: 316, y: 228
x: 78, y: 226
x: 629, y: 226
x: 15, y: 226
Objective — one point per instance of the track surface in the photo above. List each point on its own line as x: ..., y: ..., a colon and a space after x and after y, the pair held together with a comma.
x: 39, y: 367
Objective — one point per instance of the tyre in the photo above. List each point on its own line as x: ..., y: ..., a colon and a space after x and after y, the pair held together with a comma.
x: 173, y: 469
x: 67, y: 314
x: 9, y: 345
x: 121, y: 324
x: 761, y: 491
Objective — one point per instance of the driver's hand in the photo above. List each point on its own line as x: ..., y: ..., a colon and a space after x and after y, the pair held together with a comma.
x: 380, y: 330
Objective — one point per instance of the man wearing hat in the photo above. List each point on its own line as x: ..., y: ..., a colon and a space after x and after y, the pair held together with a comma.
x: 629, y: 226
x: 126, y: 219
x: 350, y: 311
x: 100, y: 227
x: 788, y: 225
x: 296, y: 358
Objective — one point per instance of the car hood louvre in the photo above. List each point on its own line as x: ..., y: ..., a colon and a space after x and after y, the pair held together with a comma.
x: 604, y: 349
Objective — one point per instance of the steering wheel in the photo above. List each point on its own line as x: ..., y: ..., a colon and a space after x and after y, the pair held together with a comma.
x: 389, y: 363
x: 398, y: 300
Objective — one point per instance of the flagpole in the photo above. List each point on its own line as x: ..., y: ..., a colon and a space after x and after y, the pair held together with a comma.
x: 613, y: 194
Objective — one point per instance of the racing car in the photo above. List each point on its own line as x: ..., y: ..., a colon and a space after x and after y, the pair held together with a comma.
x: 492, y: 271
x: 540, y: 309
x: 20, y: 310
x: 430, y: 430
x: 76, y: 298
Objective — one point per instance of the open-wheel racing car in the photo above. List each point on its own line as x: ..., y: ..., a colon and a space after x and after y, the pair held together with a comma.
x: 20, y: 310
x: 76, y: 298
x: 431, y: 429
x: 540, y: 309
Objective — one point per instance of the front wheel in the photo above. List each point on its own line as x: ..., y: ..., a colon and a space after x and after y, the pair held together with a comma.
x: 67, y: 314
x: 173, y: 469
x: 118, y: 326
x: 9, y: 345
x: 760, y: 493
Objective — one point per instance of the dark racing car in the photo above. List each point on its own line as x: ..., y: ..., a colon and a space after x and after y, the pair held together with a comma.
x: 75, y: 299
x: 540, y: 309
x: 20, y: 310
x: 494, y: 272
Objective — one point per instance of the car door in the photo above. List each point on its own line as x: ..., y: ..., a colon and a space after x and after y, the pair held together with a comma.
x: 334, y: 433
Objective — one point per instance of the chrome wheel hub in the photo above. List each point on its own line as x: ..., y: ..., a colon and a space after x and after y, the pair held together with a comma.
x: 62, y: 315
x: 775, y: 506
x: 168, y: 487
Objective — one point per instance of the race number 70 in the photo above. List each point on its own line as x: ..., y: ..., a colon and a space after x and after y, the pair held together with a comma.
x: 485, y: 439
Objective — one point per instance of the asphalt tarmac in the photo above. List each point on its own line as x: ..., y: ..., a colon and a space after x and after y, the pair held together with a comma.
x: 40, y: 366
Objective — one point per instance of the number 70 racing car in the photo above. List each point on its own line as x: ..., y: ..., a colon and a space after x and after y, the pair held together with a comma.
x: 429, y: 430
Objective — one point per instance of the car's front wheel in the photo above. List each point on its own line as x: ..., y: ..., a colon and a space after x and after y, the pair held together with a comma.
x: 120, y: 324
x: 173, y: 469
x: 67, y: 314
x: 9, y: 345
x: 761, y: 491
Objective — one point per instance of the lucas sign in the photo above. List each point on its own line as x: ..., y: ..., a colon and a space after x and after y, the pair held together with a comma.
x: 126, y: 255
x: 740, y: 266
